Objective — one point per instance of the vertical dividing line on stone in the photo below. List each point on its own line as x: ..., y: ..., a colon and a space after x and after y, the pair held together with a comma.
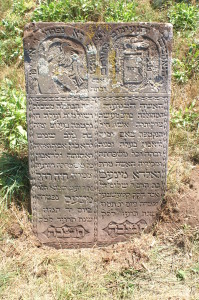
x: 96, y: 114
x: 166, y: 144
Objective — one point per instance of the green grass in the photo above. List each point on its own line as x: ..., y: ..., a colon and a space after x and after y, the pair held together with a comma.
x: 187, y: 67
x: 122, y: 284
x: 6, y: 279
x: 85, y: 10
x: 184, y: 16
x: 4, y: 6
x: 13, y: 118
x: 14, y: 179
x: 187, y: 119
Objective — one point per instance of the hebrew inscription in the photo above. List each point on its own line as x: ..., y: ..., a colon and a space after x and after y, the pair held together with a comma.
x: 97, y: 108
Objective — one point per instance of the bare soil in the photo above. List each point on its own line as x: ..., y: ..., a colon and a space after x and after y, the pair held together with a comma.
x: 182, y: 209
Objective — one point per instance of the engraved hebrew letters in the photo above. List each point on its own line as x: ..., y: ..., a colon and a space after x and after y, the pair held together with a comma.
x: 97, y: 109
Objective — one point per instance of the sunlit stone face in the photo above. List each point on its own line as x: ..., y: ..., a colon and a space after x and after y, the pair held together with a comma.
x: 98, y: 104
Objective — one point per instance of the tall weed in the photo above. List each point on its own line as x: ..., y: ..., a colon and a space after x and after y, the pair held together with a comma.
x: 184, y: 16
x: 187, y: 119
x: 85, y: 10
x: 10, y: 41
x: 14, y: 179
x: 11, y: 31
x: 21, y: 7
x: 184, y: 133
x: 13, y: 135
x: 188, y: 66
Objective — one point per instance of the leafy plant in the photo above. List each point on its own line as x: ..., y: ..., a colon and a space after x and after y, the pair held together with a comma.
x: 64, y: 10
x: 14, y: 180
x: 195, y: 269
x: 188, y: 67
x: 85, y: 10
x: 13, y: 118
x: 20, y: 7
x: 187, y: 119
x: 11, y: 32
x: 181, y: 275
x: 192, y: 60
x: 183, y: 16
x: 123, y: 11
x: 10, y: 42
x: 179, y: 71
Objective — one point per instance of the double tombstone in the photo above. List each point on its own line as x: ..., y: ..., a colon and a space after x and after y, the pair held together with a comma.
x: 98, y: 108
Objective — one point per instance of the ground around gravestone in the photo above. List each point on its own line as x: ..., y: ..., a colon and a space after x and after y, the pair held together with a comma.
x: 184, y: 208
x: 160, y: 264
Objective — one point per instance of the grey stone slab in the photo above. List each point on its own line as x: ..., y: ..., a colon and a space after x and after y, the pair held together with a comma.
x: 98, y: 114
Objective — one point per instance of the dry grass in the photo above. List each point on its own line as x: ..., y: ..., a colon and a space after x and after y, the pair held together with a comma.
x: 178, y: 173
x: 182, y: 95
x: 146, y: 13
x: 15, y: 74
x: 161, y: 266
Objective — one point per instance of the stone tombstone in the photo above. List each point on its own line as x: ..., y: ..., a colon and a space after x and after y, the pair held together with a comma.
x: 98, y: 117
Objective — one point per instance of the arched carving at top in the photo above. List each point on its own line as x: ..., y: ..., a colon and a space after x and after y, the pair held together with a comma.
x: 141, y: 59
x: 62, y: 66
x: 61, y: 58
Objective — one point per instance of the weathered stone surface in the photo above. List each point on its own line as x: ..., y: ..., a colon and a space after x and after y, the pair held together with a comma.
x: 98, y: 104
